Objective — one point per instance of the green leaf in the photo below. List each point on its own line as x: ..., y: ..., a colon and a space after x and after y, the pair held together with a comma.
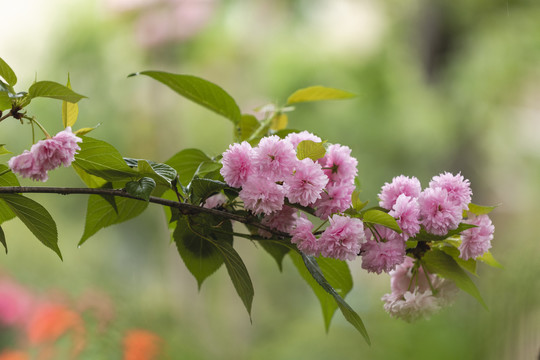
x: 238, y: 273
x: 186, y: 163
x: 276, y: 250
x: 7, y: 73
x: 438, y: 262
x: 200, y: 91
x: 203, y: 188
x: 5, y: 101
x: 423, y: 235
x: 487, y: 258
x: 310, y: 149
x: 340, y: 277
x: 100, y: 213
x: 469, y: 265
x: 318, y: 93
x: 141, y: 188
x: 101, y: 159
x: 51, y: 89
x: 374, y: 216
x: 161, y: 173
x: 91, y: 181
x: 356, y: 203
x: 6, y: 179
x: 480, y: 210
x: 70, y: 111
x: 201, y: 257
x: 3, y: 150
x: 247, y: 125
x: 3, y: 239
x: 36, y: 218
x: 83, y: 131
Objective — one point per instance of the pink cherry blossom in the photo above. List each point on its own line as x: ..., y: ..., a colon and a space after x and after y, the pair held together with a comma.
x: 438, y: 213
x: 476, y: 241
x: 297, y: 138
x: 458, y: 188
x: 337, y: 198
x: 237, y: 164
x: 339, y: 165
x: 215, y: 200
x: 342, y: 238
x: 306, y: 184
x: 303, y: 237
x: 407, y: 213
x: 46, y: 155
x: 400, y: 185
x: 261, y: 195
x: 283, y: 220
x: 382, y: 256
x: 274, y: 158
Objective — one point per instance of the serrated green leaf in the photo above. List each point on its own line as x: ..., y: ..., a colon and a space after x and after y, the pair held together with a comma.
x: 310, y: 149
x: 5, y: 101
x: 101, y: 214
x: 101, y: 159
x: 201, y: 257
x: 161, y: 173
x: 141, y: 188
x: 438, y: 262
x: 480, y: 210
x: 70, y: 111
x: 374, y: 216
x: 51, y: 89
x: 423, y: 235
x: 200, y: 91
x: 247, y: 125
x: 318, y: 93
x: 186, y: 163
x: 487, y: 258
x: 36, y: 218
x: 4, y: 151
x: 343, y: 282
x: 3, y: 239
x: 7, y: 73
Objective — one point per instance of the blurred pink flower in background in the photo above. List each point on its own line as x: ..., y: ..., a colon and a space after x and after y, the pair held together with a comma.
x: 15, y: 303
x: 161, y: 22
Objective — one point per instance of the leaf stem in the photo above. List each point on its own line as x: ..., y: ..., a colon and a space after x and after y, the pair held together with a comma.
x: 33, y: 120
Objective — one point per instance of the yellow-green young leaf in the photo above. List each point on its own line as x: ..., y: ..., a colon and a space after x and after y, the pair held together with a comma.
x: 3, y: 150
x: 357, y: 204
x: 480, y: 210
x: 279, y: 122
x: 318, y: 93
x: 53, y: 90
x: 86, y: 130
x: 379, y: 217
x: 487, y: 258
x: 7, y: 73
x: 5, y: 101
x: 310, y: 149
x: 70, y: 111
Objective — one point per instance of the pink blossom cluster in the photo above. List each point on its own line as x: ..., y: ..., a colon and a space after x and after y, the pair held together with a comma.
x: 416, y: 294
x: 46, y: 155
x: 271, y: 172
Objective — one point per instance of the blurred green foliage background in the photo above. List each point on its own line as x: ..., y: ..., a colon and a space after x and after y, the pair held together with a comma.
x: 442, y: 85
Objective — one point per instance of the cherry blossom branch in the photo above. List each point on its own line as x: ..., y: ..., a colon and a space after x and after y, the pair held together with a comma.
x: 185, y: 208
